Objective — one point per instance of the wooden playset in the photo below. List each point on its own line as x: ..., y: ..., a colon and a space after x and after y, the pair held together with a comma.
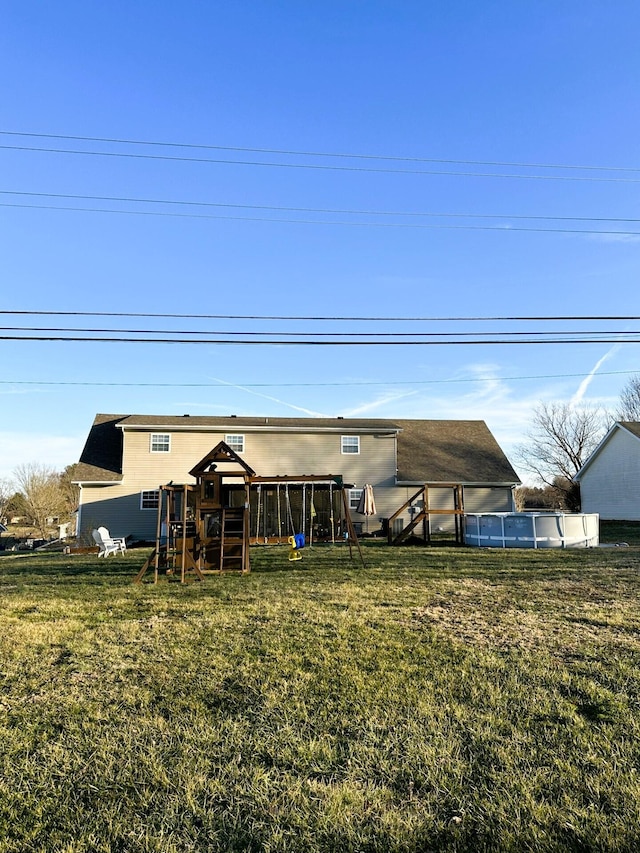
x: 206, y: 527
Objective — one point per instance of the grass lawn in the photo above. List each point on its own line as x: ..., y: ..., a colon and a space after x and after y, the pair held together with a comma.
x: 440, y: 699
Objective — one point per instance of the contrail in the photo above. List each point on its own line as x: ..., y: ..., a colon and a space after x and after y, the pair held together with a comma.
x: 582, y: 388
x: 273, y: 399
x: 380, y: 401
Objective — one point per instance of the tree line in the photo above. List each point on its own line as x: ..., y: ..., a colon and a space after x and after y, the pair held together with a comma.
x: 38, y: 493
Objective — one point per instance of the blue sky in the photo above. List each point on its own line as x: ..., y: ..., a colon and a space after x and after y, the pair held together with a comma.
x: 497, y: 82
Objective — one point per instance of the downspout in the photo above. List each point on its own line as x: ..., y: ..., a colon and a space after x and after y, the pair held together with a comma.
x: 514, y: 507
x: 79, y: 514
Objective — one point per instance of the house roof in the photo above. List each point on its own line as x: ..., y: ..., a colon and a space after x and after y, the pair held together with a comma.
x: 451, y: 452
x: 232, y: 422
x: 630, y: 426
x: 101, y: 457
x: 429, y: 451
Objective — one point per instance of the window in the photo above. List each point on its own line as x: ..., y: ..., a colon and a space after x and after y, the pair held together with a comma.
x: 160, y: 442
x: 235, y: 442
x: 354, y: 498
x: 149, y: 499
x: 351, y: 444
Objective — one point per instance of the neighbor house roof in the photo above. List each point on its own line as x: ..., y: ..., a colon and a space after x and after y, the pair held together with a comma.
x: 429, y: 451
x: 451, y: 452
x: 630, y: 426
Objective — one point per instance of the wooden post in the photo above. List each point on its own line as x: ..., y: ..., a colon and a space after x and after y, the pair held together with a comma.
x: 156, y: 561
x: 352, y: 537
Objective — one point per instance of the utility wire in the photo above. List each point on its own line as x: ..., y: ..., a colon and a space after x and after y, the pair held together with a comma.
x: 297, y: 317
x: 341, y: 211
x: 171, y: 214
x: 316, y: 343
x: 319, y: 166
x: 308, y: 384
x: 300, y: 334
x: 294, y: 153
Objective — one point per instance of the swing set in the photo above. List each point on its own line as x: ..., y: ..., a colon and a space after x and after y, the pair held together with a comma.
x: 207, y: 526
x: 281, y: 507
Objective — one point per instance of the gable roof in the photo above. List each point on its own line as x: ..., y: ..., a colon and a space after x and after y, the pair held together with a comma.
x: 101, y: 457
x: 429, y: 451
x: 630, y: 426
x: 451, y: 452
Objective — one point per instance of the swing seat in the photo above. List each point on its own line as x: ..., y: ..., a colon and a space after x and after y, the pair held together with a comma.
x: 294, y: 549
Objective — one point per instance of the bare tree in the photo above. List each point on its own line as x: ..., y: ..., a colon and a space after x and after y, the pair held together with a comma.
x: 70, y: 490
x: 6, y: 492
x: 629, y: 406
x: 561, y: 439
x: 40, y: 487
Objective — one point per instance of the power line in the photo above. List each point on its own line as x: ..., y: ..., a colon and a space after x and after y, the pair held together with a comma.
x: 310, y: 384
x: 318, y: 166
x: 297, y: 317
x: 341, y: 211
x: 172, y: 214
x: 316, y: 343
x: 342, y: 155
x: 315, y: 334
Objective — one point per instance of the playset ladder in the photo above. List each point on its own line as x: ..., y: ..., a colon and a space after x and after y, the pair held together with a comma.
x: 233, y: 540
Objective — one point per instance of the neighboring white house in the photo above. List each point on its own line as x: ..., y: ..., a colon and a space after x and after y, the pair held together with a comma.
x: 610, y: 478
x: 127, y: 458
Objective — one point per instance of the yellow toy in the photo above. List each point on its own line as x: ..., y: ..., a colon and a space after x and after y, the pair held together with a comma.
x: 296, y: 544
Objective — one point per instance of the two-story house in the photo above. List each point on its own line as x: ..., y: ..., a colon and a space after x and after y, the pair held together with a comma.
x: 127, y: 458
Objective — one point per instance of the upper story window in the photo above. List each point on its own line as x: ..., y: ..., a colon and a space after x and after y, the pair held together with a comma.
x: 149, y: 499
x: 160, y: 442
x: 235, y: 442
x: 351, y: 444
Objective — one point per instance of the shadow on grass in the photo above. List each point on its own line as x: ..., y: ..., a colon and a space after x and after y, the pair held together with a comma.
x: 615, y: 532
x: 48, y: 566
x: 380, y: 560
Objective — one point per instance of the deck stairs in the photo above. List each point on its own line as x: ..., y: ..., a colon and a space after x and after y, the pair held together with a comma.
x: 418, y: 507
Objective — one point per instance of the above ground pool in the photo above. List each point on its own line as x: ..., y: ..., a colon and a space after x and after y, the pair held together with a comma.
x: 532, y: 530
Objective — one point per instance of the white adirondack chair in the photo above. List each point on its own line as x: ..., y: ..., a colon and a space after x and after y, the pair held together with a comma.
x: 108, y: 544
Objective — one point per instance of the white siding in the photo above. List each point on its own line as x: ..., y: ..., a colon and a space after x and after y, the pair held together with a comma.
x: 611, y: 484
x: 268, y: 453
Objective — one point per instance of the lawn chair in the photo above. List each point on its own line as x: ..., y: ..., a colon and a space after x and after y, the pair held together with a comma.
x: 108, y: 544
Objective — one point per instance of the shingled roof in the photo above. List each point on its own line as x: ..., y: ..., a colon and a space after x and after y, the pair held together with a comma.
x: 236, y: 422
x: 101, y: 457
x: 451, y: 452
x: 429, y: 451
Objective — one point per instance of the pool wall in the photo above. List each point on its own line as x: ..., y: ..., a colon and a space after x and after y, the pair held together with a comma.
x: 532, y: 530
